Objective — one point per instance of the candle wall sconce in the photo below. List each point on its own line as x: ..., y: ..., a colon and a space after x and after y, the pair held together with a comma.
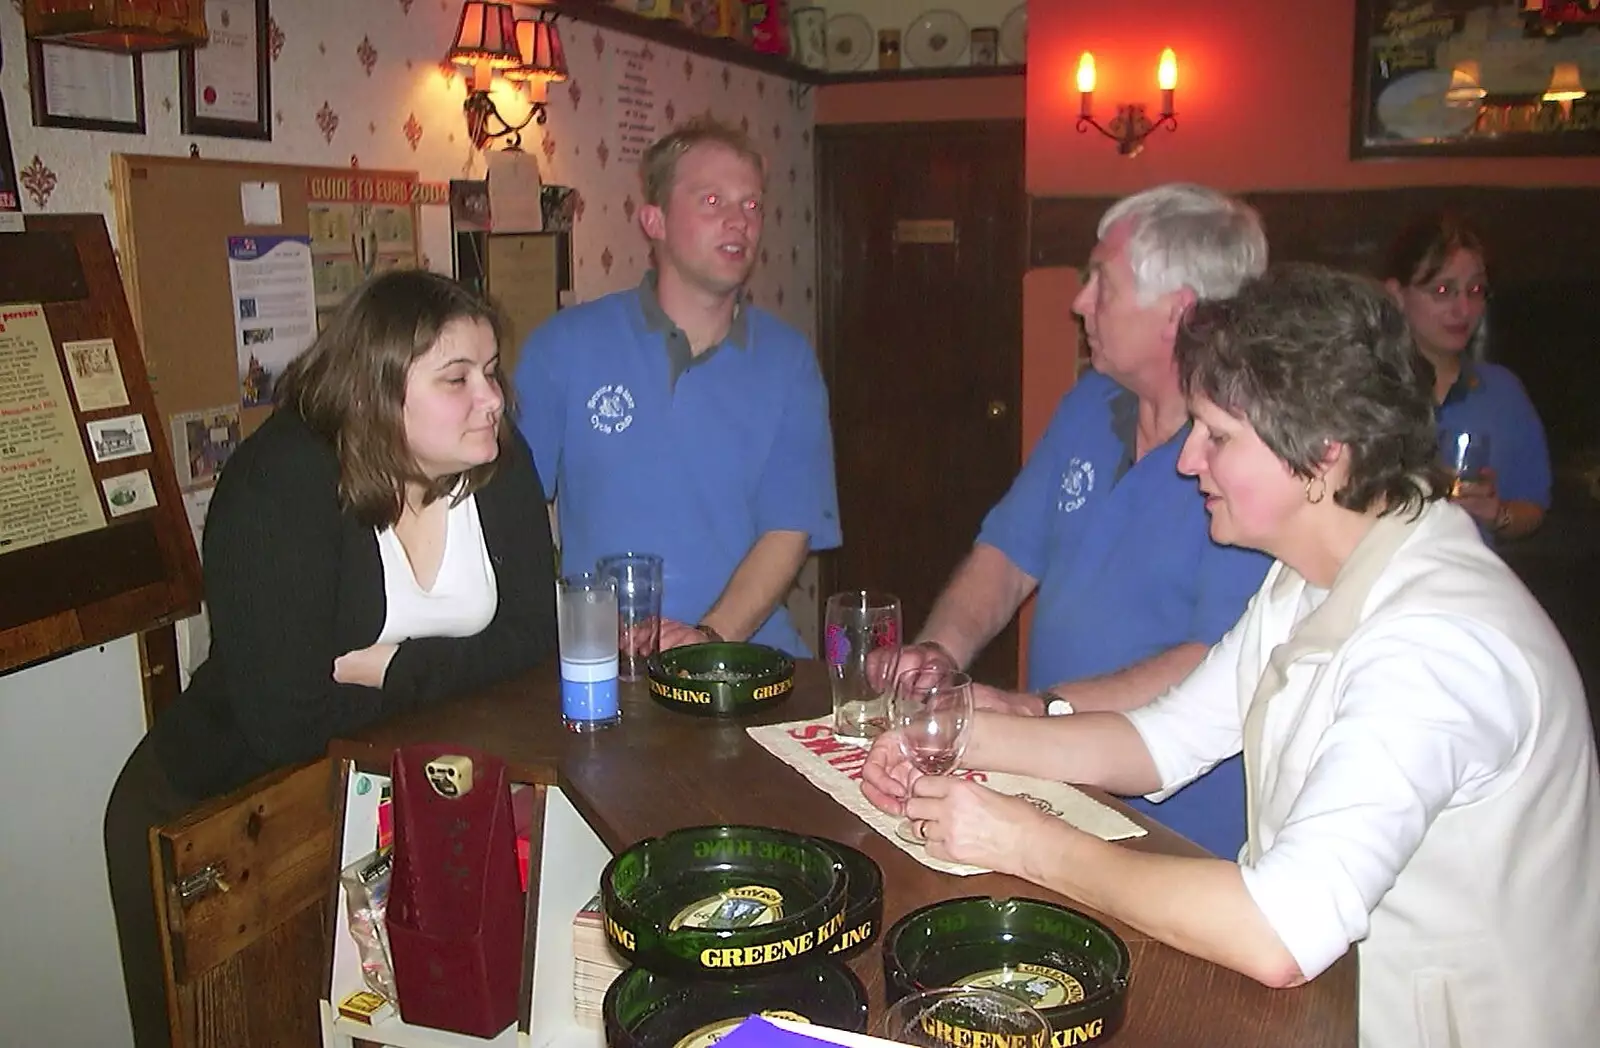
x: 1131, y: 126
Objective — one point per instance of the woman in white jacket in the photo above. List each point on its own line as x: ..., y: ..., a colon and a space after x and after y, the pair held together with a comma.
x: 1419, y: 760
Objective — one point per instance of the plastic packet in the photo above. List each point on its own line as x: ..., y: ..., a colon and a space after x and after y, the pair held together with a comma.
x: 366, y: 896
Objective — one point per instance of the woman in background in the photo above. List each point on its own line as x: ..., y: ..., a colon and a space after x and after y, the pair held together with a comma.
x: 1437, y: 271
x: 1419, y: 763
x: 380, y: 543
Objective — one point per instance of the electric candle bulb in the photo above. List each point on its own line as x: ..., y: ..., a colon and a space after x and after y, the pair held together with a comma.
x: 1086, y: 73
x: 1167, y: 77
x: 1085, y: 84
x: 1167, y: 71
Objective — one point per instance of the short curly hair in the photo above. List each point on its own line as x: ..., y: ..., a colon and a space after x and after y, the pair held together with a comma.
x: 1309, y: 356
x: 1185, y: 235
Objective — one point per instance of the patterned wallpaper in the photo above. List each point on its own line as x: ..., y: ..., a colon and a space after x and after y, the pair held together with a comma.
x: 362, y: 82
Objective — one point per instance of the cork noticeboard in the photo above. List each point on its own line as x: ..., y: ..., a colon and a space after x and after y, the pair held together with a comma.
x: 175, y: 218
x: 94, y: 544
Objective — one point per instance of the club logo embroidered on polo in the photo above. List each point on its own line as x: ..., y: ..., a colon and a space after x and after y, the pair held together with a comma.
x: 1077, y: 481
x: 611, y: 409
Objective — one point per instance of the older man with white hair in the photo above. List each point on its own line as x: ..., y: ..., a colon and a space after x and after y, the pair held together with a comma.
x: 1131, y: 589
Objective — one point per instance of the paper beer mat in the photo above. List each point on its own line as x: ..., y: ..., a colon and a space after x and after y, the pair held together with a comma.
x: 834, y: 766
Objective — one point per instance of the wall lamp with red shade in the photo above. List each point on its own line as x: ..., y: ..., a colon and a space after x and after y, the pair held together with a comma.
x: 490, y: 37
x: 1130, y: 127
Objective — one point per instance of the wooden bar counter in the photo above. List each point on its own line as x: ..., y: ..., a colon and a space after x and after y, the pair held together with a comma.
x: 660, y: 770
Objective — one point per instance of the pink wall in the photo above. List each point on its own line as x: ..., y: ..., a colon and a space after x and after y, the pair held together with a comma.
x: 1263, y: 103
x: 1263, y: 100
x: 910, y: 101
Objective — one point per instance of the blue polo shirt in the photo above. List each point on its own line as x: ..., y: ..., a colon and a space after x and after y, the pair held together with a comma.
x: 1126, y: 570
x: 1488, y: 398
x: 692, y: 459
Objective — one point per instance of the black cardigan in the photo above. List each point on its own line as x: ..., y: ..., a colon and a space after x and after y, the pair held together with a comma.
x: 293, y: 582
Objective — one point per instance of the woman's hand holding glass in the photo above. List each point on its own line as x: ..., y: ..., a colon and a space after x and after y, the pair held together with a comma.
x: 930, y: 712
x: 1473, y: 486
x: 958, y: 820
x: 1479, y: 496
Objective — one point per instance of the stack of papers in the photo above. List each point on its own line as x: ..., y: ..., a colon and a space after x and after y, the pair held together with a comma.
x: 594, y: 964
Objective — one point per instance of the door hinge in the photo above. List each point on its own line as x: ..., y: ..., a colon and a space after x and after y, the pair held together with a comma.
x: 202, y: 883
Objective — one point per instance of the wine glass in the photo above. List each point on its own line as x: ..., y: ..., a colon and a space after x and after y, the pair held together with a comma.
x: 932, y: 711
x: 963, y: 1014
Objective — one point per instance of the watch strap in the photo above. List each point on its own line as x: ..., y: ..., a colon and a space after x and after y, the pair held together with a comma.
x: 1055, y: 705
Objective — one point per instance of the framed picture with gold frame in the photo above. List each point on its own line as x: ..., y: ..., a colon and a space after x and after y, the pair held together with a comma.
x: 225, y: 87
x: 1475, y: 78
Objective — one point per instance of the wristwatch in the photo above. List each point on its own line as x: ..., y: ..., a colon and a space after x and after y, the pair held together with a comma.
x: 711, y: 634
x: 1055, y: 705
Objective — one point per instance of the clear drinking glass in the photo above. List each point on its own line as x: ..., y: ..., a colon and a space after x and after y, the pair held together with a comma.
x: 1466, y: 456
x: 963, y: 1015
x: 586, y: 624
x: 861, y: 642
x: 932, y: 710
x: 638, y: 580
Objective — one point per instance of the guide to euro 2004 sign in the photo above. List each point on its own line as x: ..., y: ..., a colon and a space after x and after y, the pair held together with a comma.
x: 46, y: 489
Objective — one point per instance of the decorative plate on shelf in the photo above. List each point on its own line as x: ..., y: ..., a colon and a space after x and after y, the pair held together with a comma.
x: 936, y: 39
x: 849, y: 43
x: 1014, y: 36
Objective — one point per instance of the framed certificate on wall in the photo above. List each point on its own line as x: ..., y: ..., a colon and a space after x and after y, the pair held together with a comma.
x: 84, y: 90
x: 225, y: 88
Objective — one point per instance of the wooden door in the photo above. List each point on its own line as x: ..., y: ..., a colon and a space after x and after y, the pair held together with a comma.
x: 922, y: 251
x: 242, y: 891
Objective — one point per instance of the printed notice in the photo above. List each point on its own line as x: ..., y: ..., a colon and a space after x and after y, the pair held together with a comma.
x: 202, y: 442
x: 96, y: 375
x: 196, y: 504
x: 350, y: 242
x: 225, y: 69
x: 46, y: 490
x: 261, y: 203
x: 274, y: 309
x: 633, y: 101
x: 118, y: 438
x: 515, y: 192
x: 129, y: 493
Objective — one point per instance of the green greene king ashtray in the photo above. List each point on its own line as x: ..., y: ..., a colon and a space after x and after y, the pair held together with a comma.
x: 1068, y: 965
x: 863, y: 915
x: 720, y: 679
x: 723, y: 902
x: 646, y: 1010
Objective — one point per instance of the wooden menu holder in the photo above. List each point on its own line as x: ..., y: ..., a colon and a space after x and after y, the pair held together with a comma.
x: 140, y: 570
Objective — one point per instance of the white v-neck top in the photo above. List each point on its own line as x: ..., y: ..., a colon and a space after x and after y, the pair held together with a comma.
x: 464, y: 596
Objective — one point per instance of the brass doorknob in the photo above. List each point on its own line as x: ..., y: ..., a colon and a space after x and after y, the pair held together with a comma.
x: 998, y: 408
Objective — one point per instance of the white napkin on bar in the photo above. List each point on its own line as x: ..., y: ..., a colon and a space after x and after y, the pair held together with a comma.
x: 834, y: 766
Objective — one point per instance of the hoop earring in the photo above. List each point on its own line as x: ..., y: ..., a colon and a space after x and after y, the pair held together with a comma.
x: 1322, y: 490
